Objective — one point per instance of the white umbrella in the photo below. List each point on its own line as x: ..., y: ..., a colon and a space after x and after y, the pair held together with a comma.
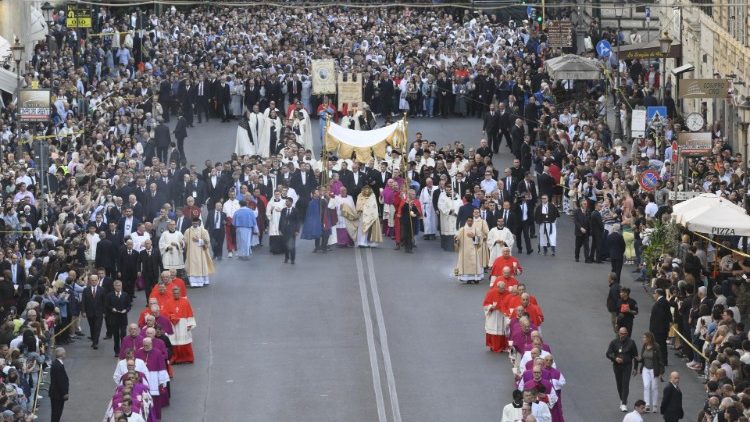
x: 711, y: 214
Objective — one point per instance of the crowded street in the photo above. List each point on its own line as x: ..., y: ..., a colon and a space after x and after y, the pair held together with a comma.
x: 276, y: 342
x: 476, y: 211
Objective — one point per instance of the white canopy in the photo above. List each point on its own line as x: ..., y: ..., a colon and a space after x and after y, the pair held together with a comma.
x: 574, y: 67
x: 365, y: 143
x: 711, y: 214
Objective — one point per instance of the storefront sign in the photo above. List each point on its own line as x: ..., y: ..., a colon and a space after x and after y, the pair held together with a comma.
x: 35, y: 105
x: 694, y: 144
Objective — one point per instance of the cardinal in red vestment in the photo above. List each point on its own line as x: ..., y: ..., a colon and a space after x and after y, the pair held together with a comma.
x: 505, y: 260
x: 180, y: 314
x: 495, y: 314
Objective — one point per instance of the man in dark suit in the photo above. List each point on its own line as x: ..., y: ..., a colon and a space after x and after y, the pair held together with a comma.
x: 597, y: 233
x: 216, y: 187
x: 106, y: 254
x: 491, y: 128
x: 387, y: 89
x: 582, y: 231
x: 671, y: 402
x: 516, y: 136
x: 524, y: 221
x: 661, y: 318
x: 180, y: 133
x: 215, y: 226
x: 506, y: 120
x: 202, y: 95
x: 377, y: 178
x: 223, y: 98
x: 355, y: 181
x: 289, y: 227
x: 153, y: 202
x: 127, y: 268
x: 149, y: 260
x: 162, y: 139
x: 118, y: 304
x: 93, y: 308
x: 304, y: 182
x: 59, y: 385
x: 616, y: 249
x: 527, y: 186
x: 165, y: 97
x: 465, y: 211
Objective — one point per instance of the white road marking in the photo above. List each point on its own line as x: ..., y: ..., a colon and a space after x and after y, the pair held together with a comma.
x: 383, y: 339
x: 374, y: 367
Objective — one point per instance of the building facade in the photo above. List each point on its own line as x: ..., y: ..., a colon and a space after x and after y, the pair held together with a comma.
x: 715, y: 40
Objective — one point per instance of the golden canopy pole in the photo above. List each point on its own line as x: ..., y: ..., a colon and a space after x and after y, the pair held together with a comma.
x: 324, y: 154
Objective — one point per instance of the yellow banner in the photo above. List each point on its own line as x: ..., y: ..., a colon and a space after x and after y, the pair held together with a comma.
x: 349, y: 91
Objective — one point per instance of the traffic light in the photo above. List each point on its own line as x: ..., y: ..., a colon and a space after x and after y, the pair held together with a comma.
x: 538, y: 13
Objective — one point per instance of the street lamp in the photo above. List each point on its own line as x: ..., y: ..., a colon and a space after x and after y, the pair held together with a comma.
x: 17, y: 49
x: 47, y: 8
x: 743, y: 112
x: 665, y: 44
x: 619, y: 9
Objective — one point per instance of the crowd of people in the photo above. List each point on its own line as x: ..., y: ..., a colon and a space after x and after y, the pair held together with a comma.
x: 124, y: 211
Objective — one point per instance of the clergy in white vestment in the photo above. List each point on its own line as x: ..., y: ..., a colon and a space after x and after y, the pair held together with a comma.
x: 243, y: 144
x: 273, y: 213
x: 499, y: 237
x: 448, y: 205
x: 305, y: 125
x: 198, y: 262
x: 171, y: 246
x: 347, y: 218
x: 270, y: 138
x: 430, y: 217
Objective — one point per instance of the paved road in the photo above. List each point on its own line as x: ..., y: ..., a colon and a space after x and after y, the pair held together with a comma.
x: 371, y: 335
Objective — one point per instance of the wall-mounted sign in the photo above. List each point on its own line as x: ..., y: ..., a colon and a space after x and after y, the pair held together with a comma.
x: 703, y: 88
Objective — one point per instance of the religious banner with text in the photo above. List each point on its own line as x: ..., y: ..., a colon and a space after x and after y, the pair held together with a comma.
x: 349, y: 89
x: 323, y: 77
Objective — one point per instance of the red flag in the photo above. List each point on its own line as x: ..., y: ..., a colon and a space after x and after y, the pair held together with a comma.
x: 674, y: 152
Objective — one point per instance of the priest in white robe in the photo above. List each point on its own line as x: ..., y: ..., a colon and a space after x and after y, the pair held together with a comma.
x: 498, y: 238
x: 429, y: 213
x: 448, y: 205
x: 347, y: 218
x: 305, y: 126
x: 273, y: 213
x: 270, y: 138
x: 171, y: 247
x: 243, y: 144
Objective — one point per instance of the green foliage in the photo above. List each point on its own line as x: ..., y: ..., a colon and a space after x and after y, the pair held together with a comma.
x: 659, y: 240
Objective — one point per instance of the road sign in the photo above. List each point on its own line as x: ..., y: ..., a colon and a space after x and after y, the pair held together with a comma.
x: 656, y: 116
x: 560, y: 34
x: 648, y: 180
x: 603, y: 48
x: 529, y: 11
x: 77, y: 17
x: 648, y: 12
